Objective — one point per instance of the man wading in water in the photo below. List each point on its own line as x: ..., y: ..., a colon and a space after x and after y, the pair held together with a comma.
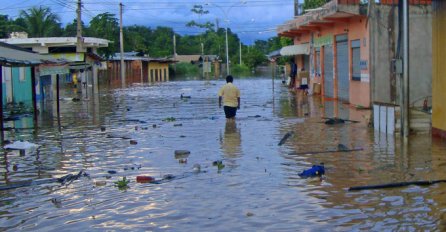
x: 231, y: 98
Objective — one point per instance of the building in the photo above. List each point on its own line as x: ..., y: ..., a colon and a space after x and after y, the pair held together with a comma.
x: 348, y: 48
x: 439, y: 69
x: 65, y: 48
x: 20, y: 89
x: 138, y: 69
x: 208, y: 63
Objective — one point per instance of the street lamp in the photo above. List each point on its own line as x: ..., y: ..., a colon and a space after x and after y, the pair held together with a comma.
x: 225, y: 13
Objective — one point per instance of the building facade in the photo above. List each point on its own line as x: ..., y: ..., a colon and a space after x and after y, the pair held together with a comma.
x: 138, y: 69
x: 439, y: 69
x: 352, y: 47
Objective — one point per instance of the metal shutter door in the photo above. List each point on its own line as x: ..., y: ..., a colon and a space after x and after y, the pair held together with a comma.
x: 342, y: 70
x: 328, y: 71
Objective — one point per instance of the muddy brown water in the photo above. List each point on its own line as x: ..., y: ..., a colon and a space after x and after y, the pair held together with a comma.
x: 258, y: 189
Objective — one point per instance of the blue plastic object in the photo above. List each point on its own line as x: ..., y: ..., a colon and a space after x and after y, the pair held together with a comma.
x: 316, y: 170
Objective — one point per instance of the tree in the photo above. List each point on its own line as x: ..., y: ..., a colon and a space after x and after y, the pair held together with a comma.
x: 137, y: 38
x: 199, y: 10
x: 6, y: 26
x: 161, y: 45
x: 106, y: 26
x: 254, y: 58
x: 71, y: 29
x: 41, y: 22
x: 312, y: 4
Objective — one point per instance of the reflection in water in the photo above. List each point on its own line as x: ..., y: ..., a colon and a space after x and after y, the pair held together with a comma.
x: 231, y: 141
x: 265, y: 184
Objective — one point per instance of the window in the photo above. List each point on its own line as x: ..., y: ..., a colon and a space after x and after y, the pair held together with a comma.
x: 22, y: 72
x: 356, y: 60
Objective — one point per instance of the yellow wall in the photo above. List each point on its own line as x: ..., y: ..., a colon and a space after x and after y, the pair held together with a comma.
x: 439, y: 68
x: 158, y: 72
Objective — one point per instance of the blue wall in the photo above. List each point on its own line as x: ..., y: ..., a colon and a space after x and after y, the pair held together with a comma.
x: 22, y: 91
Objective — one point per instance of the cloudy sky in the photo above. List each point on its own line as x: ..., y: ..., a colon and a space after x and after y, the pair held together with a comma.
x: 250, y: 19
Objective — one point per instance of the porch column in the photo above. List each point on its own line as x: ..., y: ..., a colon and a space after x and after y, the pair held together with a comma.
x: 1, y: 106
x: 33, y: 95
x: 58, y: 102
x: 95, y: 79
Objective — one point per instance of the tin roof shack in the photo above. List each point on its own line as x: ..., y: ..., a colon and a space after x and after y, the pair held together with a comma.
x: 352, y: 46
x: 18, y: 71
x: 138, y: 69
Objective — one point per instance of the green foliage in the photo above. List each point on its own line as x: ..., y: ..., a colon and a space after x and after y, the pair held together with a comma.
x: 240, y: 70
x: 41, y: 22
x: 71, y: 29
x: 186, y: 69
x: 122, y: 184
x: 169, y: 119
x: 254, y: 58
x: 199, y: 10
x: 161, y: 43
x: 312, y: 4
x: 106, y: 26
x: 7, y: 26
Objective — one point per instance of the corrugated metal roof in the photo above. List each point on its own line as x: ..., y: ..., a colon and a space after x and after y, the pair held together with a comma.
x: 14, y: 56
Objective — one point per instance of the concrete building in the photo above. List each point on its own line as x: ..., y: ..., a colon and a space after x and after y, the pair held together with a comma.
x: 20, y: 90
x: 439, y: 69
x: 351, y: 47
x: 65, y: 48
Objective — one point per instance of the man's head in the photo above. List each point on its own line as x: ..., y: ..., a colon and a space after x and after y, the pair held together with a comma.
x: 229, y: 79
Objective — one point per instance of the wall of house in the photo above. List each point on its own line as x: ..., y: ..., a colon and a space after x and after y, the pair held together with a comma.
x: 158, y: 71
x: 385, y: 37
x: 21, y: 82
x: 356, y: 29
x: 360, y: 89
x: 439, y: 69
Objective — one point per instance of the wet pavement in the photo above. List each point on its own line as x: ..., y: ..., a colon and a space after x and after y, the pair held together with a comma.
x: 256, y: 187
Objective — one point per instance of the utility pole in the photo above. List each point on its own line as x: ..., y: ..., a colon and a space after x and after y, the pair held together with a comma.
x: 79, y: 45
x: 240, y: 52
x: 174, y: 45
x: 121, y: 43
x: 296, y: 7
x: 405, y: 84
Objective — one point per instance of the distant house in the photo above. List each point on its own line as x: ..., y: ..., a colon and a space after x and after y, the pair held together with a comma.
x: 138, y: 69
x: 187, y: 58
x: 200, y: 60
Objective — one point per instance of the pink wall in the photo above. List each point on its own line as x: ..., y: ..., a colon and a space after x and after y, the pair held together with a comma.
x: 356, y: 29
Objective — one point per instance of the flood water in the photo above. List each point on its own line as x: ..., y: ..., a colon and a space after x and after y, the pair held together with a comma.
x: 258, y: 189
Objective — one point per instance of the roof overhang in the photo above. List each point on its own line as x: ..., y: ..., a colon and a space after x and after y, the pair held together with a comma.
x: 316, y: 19
x: 12, y: 56
x: 88, y: 42
x: 292, y: 50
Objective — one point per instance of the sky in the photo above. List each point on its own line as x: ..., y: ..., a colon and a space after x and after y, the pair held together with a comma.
x: 250, y: 19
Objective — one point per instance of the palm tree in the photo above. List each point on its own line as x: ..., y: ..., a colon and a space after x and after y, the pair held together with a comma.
x: 41, y: 22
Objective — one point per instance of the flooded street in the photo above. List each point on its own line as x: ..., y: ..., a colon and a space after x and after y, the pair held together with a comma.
x: 258, y: 189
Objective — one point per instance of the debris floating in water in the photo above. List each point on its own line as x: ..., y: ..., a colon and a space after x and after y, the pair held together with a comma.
x: 285, y: 137
x: 314, y: 171
x: 19, y: 145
